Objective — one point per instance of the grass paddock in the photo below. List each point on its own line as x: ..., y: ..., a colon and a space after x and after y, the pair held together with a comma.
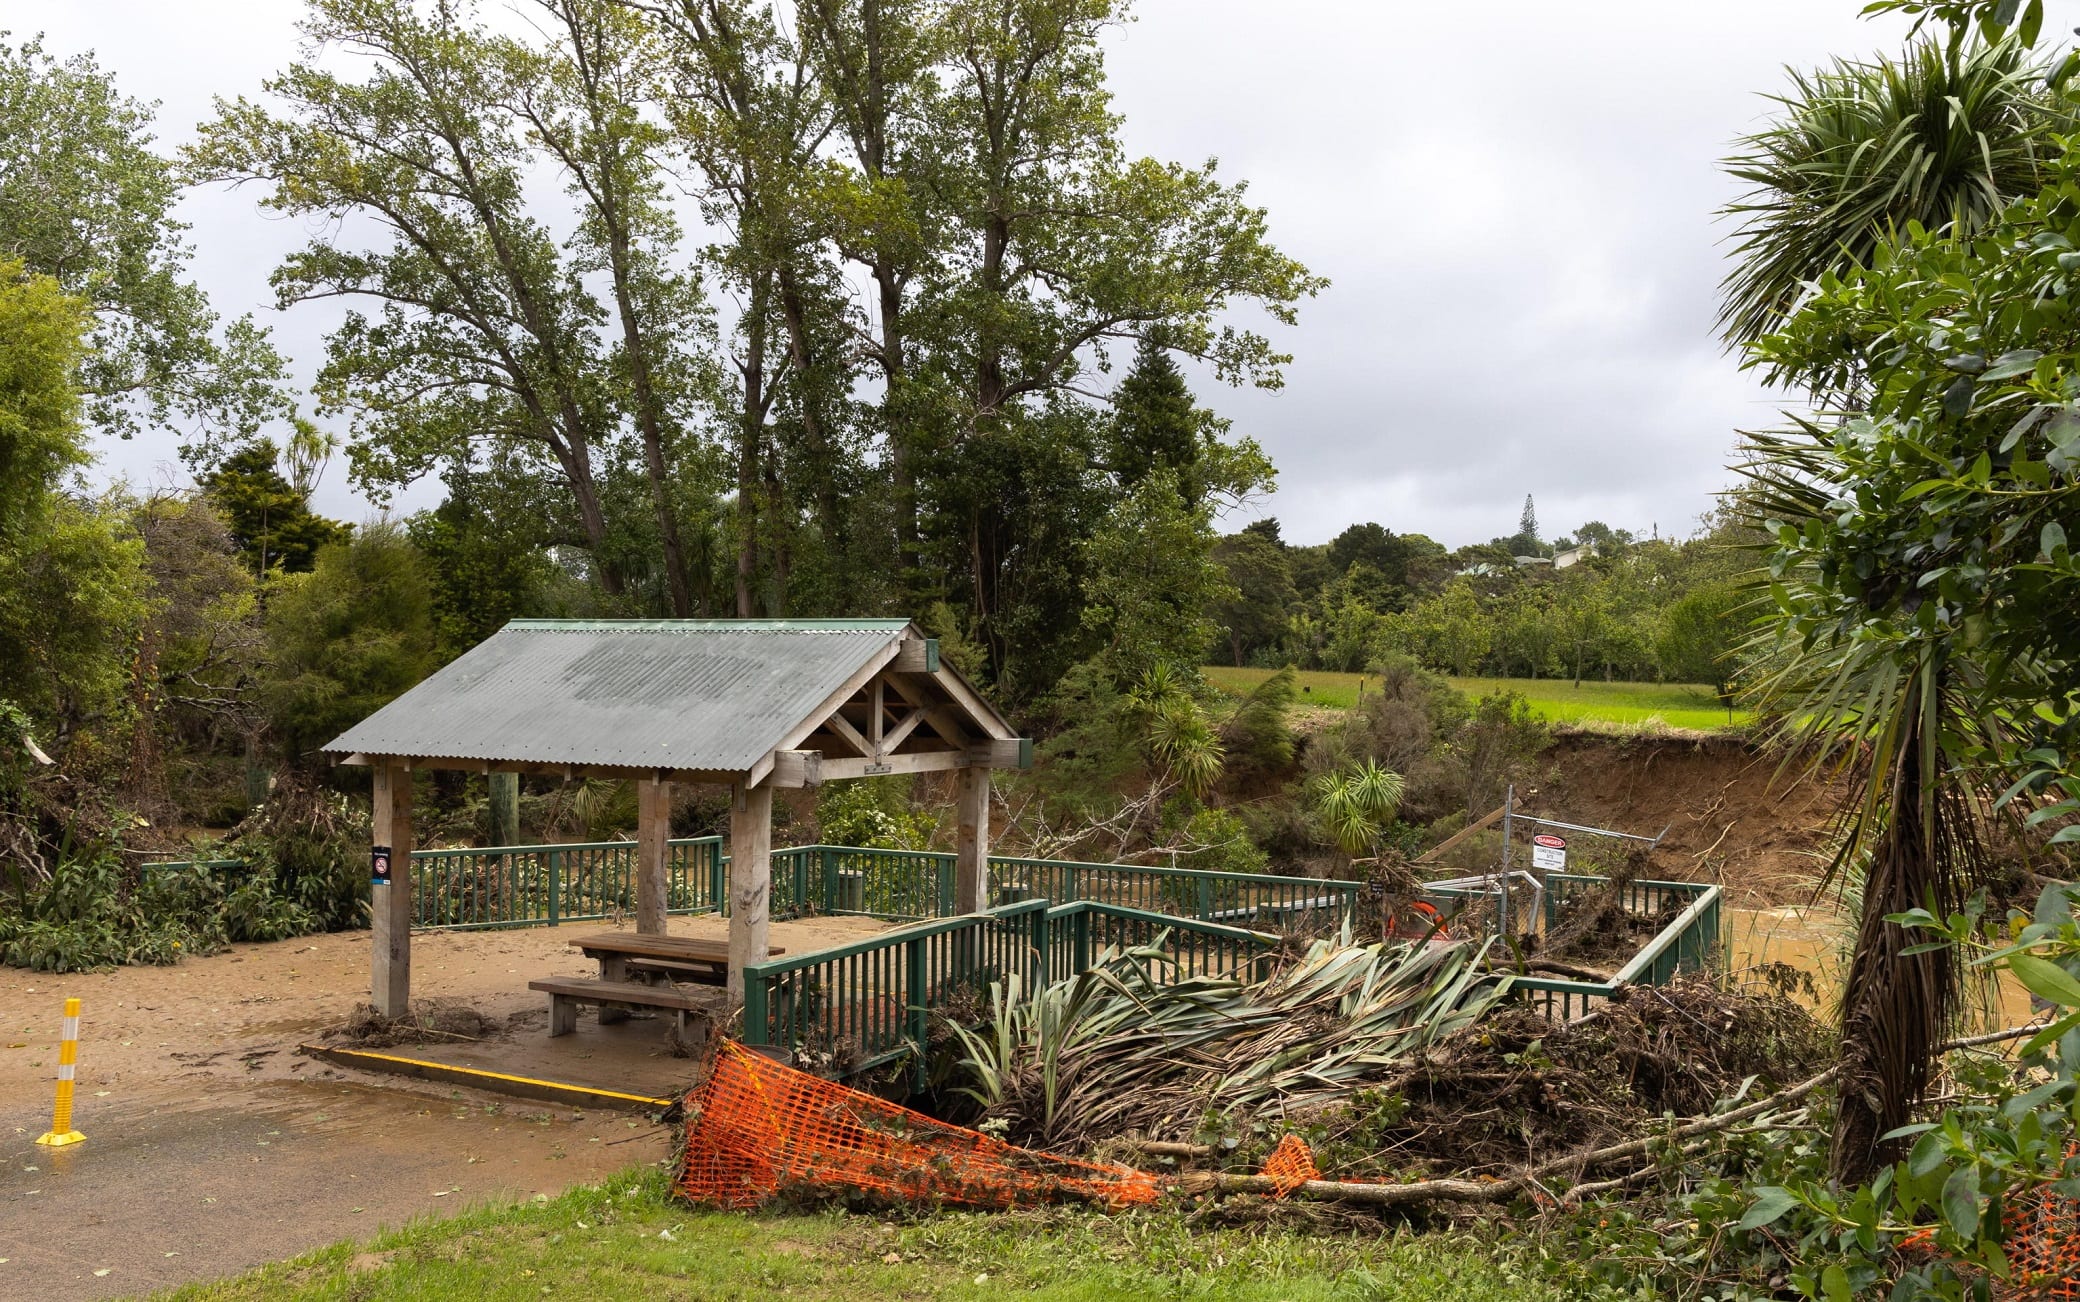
x: 1557, y: 700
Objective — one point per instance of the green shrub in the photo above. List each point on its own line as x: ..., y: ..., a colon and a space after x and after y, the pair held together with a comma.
x: 93, y: 912
x: 873, y: 813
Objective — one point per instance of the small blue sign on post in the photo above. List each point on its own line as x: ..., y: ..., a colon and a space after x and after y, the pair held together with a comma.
x: 379, y: 866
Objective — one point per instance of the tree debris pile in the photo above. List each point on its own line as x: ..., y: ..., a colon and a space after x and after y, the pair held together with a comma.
x: 1596, y: 929
x: 1131, y: 1047
x: 1517, y: 1088
x: 430, y: 1020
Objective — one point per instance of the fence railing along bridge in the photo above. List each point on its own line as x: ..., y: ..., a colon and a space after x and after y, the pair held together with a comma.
x: 867, y: 1004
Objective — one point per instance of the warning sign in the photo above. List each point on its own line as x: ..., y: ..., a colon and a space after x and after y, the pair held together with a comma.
x: 1549, y: 853
x: 379, y: 866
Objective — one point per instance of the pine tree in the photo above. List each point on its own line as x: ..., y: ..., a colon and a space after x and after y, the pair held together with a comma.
x: 1154, y: 421
x: 270, y: 517
x: 1526, y: 542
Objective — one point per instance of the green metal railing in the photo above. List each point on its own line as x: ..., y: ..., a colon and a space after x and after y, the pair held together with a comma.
x: 1690, y: 941
x: 1070, y: 934
x: 1237, y: 899
x: 542, y: 885
x: 869, y: 1003
x: 917, y: 885
x: 863, y: 1005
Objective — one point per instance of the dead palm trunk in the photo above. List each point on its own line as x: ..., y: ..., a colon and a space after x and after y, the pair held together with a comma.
x: 1913, y: 824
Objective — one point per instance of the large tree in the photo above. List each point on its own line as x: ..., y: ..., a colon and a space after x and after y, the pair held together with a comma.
x: 71, y: 582
x: 484, y: 336
x: 85, y: 199
x: 1921, y: 577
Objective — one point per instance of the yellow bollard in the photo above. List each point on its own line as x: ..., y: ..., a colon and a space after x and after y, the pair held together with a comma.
x: 62, y: 1132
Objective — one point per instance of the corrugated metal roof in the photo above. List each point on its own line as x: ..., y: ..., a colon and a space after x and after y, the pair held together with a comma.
x: 681, y: 694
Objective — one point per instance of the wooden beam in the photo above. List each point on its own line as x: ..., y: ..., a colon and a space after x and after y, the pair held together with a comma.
x: 894, y: 737
x: 860, y: 678
x: 1431, y: 855
x: 943, y: 720
x: 978, y: 709
x: 551, y: 768
x: 653, y: 831
x: 916, y: 761
x: 971, y: 845
x: 877, y: 716
x: 1000, y: 753
x: 390, y: 898
x: 916, y: 655
x: 750, y: 882
x: 842, y: 726
x: 796, y: 768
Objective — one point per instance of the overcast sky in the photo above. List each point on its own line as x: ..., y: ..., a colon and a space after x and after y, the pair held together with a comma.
x: 1513, y: 201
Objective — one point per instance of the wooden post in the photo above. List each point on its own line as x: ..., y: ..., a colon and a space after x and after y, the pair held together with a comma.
x: 390, y: 898
x: 971, y: 847
x: 504, y: 792
x: 653, y: 829
x: 750, y: 882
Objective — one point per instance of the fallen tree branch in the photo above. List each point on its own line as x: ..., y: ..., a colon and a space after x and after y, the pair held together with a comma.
x: 1375, y: 1195
x: 1686, y: 1135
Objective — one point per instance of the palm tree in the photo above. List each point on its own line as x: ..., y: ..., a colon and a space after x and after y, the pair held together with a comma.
x: 1356, y: 805
x: 1899, y: 714
x: 1946, y: 134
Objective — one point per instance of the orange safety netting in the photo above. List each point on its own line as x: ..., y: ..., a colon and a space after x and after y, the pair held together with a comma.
x: 1291, y: 1165
x: 2043, y: 1244
x: 756, y: 1130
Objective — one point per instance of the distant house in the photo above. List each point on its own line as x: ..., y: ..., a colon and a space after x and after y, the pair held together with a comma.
x: 1523, y: 561
x: 1573, y: 555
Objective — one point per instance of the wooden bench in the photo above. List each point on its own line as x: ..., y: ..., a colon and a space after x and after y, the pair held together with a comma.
x: 566, y: 993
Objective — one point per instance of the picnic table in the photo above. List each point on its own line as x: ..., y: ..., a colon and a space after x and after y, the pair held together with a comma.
x: 626, y: 955
x: 636, y: 971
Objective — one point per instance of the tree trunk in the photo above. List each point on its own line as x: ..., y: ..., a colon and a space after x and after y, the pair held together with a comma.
x: 750, y: 437
x: 1897, y: 1006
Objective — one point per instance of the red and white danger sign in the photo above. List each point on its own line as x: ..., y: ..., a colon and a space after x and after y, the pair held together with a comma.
x: 1549, y: 852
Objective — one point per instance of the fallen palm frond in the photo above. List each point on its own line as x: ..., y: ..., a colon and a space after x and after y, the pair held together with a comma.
x: 1134, y: 1045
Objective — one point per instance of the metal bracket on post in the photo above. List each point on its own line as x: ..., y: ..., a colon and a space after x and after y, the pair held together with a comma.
x: 1509, y: 801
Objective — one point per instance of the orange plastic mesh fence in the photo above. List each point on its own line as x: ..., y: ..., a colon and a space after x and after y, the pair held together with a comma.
x: 1290, y: 1165
x: 2043, y: 1244
x: 756, y: 1130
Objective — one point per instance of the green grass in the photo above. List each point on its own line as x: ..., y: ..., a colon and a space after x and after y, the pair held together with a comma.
x: 1557, y: 700
x: 625, y: 1239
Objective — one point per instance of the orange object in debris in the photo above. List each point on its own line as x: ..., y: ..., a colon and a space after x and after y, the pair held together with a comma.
x: 756, y: 1130
x: 1428, y: 923
x: 1291, y: 1165
x: 2043, y: 1244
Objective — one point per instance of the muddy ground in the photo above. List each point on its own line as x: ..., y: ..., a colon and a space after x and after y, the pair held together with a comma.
x: 1734, y: 814
x: 213, y: 1146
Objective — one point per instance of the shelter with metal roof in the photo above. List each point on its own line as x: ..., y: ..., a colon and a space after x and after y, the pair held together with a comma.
x: 753, y: 704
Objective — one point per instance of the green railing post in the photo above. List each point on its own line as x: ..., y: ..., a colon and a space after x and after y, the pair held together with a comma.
x: 1041, y: 949
x: 1205, y: 899
x: 829, y: 864
x: 915, y: 981
x: 555, y: 886
x: 757, y: 1018
x: 1080, y: 940
x: 718, y: 879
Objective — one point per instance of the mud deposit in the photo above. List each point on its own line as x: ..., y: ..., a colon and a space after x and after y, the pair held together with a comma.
x: 213, y: 1146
